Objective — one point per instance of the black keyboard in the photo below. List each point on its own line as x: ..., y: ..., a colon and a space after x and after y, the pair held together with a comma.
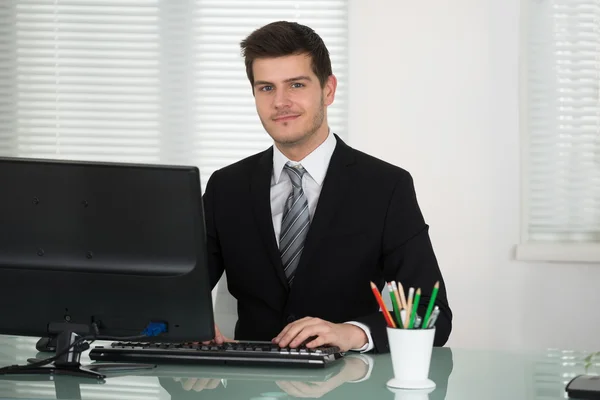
x: 238, y: 353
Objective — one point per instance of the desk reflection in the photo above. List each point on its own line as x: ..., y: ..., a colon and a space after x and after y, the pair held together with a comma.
x: 248, y: 382
x: 356, y: 376
x: 359, y: 376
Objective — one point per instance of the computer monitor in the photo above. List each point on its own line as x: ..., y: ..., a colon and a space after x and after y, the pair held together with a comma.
x: 109, y: 245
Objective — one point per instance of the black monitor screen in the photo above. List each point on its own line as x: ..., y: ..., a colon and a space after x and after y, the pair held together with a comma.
x: 119, y: 245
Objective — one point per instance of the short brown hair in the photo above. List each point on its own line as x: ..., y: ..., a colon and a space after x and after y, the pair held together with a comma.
x: 283, y: 38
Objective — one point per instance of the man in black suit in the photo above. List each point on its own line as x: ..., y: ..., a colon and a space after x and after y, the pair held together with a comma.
x: 303, y: 227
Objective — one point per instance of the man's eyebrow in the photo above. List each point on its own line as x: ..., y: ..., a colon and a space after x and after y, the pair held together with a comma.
x: 256, y: 83
x: 294, y: 79
x: 298, y: 78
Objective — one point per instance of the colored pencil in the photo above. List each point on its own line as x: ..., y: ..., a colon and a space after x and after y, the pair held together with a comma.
x: 395, y: 305
x: 436, y: 288
x: 384, y: 310
x: 401, y: 292
x: 409, y: 301
x: 415, y: 306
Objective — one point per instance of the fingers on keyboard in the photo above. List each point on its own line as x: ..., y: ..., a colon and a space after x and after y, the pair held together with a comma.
x: 310, y: 339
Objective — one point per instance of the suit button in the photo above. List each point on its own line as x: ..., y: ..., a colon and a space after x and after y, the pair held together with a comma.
x: 291, y: 318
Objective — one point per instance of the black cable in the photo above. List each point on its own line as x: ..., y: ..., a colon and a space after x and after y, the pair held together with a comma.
x: 45, y: 361
x: 77, y: 342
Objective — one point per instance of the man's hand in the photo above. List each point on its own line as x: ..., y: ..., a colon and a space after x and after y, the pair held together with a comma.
x: 353, y: 370
x: 219, y: 337
x: 198, y: 384
x: 344, y: 336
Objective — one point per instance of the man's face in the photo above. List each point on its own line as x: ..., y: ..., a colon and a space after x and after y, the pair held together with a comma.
x: 289, y: 99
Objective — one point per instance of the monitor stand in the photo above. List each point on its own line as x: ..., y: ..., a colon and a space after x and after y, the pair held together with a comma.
x: 68, y: 363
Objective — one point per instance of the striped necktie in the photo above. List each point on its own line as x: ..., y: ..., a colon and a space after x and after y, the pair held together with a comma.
x: 295, y: 222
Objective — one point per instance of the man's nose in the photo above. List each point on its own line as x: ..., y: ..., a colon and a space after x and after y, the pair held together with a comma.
x: 281, y: 99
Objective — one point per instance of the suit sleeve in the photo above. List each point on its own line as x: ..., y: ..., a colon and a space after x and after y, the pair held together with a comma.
x: 408, y: 257
x: 215, y: 259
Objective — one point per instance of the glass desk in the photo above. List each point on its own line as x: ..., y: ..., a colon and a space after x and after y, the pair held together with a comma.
x: 459, y: 374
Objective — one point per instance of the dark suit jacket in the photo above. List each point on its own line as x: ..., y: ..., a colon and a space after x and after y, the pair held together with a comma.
x: 367, y: 227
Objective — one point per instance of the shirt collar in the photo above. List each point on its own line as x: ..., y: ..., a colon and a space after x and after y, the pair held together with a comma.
x: 315, y: 164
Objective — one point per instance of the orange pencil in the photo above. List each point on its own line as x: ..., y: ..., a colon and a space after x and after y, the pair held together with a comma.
x: 384, y: 310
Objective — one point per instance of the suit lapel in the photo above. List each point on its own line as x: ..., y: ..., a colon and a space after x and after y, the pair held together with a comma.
x: 260, y: 189
x: 336, y: 186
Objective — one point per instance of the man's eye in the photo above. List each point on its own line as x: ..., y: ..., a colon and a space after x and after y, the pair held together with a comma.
x: 297, y: 85
x: 266, y: 88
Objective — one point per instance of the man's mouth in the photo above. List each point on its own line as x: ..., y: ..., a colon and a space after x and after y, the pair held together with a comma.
x: 286, y: 118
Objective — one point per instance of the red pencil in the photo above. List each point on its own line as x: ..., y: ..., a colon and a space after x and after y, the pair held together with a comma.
x: 384, y: 310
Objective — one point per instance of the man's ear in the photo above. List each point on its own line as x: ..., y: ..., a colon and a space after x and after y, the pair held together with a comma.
x: 329, y: 89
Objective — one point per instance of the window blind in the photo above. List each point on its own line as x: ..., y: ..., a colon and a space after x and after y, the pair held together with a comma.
x: 562, y: 108
x: 144, y: 80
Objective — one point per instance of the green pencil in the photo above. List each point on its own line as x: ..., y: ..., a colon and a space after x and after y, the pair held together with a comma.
x: 436, y: 287
x: 414, y: 309
x: 395, y: 304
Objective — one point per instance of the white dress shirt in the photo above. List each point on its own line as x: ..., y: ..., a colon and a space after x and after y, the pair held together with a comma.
x: 315, y: 164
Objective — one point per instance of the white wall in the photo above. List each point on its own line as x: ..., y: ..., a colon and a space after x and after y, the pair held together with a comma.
x: 434, y: 89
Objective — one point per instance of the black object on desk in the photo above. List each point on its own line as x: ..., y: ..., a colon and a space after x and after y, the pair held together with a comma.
x: 46, y: 344
x: 237, y: 353
x: 584, y: 387
x: 98, y: 251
